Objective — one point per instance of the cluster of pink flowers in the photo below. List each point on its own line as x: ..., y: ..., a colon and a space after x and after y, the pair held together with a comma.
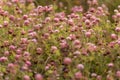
x: 39, y: 43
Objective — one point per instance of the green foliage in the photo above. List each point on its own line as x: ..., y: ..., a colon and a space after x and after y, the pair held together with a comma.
x: 44, y: 37
x: 63, y: 4
x: 112, y: 5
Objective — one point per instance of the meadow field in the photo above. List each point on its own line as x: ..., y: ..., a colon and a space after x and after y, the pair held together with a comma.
x: 59, y: 40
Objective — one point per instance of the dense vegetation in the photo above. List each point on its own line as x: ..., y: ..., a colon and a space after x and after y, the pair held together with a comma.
x: 47, y: 42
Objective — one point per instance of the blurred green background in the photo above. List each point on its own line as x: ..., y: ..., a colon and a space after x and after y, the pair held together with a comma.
x: 66, y: 5
x: 62, y: 4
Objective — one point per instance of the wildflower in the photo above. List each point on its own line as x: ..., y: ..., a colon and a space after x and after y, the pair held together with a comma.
x: 78, y: 75
x: 80, y: 66
x: 67, y: 60
x: 38, y: 77
x: 118, y: 74
x: 26, y: 77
